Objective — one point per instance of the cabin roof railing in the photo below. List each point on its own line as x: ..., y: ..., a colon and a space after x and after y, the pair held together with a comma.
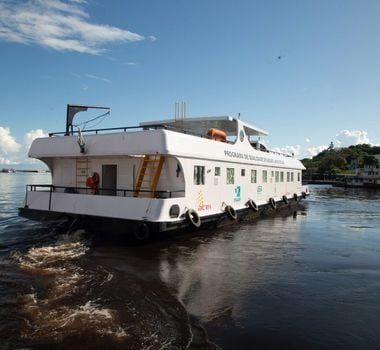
x: 192, y: 126
x: 200, y: 125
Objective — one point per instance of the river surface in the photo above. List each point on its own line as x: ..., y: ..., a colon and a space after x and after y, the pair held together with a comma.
x: 310, y: 281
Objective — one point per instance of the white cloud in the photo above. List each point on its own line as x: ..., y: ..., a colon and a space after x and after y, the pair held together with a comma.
x: 8, y: 146
x: 30, y: 136
x: 92, y: 76
x: 12, y: 152
x: 307, y: 140
x: 62, y: 26
x: 313, y: 151
x: 347, y: 138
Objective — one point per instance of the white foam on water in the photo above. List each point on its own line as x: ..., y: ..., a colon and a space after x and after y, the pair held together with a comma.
x: 44, y: 260
x: 50, y: 316
x: 60, y: 251
x: 44, y: 322
x: 119, y: 333
x: 66, y: 283
x: 56, y: 262
x: 107, y: 278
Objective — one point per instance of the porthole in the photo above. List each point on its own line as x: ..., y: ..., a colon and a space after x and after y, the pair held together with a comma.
x: 174, y: 211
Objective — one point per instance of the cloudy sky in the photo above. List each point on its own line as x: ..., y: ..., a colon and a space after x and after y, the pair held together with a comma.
x: 306, y: 71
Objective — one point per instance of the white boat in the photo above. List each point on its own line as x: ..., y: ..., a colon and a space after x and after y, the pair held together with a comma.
x: 162, y: 175
x: 9, y: 171
x: 366, y: 177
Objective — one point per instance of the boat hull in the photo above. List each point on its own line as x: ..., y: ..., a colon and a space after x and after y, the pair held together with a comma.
x: 144, y: 229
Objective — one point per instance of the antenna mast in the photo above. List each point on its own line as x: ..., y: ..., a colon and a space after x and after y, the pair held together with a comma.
x: 179, y: 113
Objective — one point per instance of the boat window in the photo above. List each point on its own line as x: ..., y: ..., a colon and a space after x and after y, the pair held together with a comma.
x: 242, y: 172
x: 217, y: 171
x: 253, y: 176
x: 287, y: 176
x: 259, y: 146
x: 281, y: 176
x: 291, y: 176
x: 230, y: 175
x: 265, y: 176
x: 199, y: 175
x: 299, y: 176
x: 276, y: 177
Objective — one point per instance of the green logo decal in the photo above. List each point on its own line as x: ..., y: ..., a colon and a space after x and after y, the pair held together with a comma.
x: 237, y: 194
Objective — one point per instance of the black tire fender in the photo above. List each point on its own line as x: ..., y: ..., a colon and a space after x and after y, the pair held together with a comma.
x: 231, y: 212
x: 193, y: 217
x: 272, y: 203
x: 142, y: 232
x: 252, y: 205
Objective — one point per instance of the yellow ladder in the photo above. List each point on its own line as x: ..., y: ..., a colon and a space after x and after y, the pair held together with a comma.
x: 149, y: 175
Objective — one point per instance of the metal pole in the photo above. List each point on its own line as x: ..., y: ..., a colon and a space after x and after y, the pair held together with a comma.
x: 51, y: 191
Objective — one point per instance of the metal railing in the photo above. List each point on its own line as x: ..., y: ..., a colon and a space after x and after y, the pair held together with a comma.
x: 127, y: 128
x: 128, y: 193
x: 282, y: 154
x: 96, y: 131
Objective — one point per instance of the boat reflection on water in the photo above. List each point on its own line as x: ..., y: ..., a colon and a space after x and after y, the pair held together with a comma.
x: 217, y: 276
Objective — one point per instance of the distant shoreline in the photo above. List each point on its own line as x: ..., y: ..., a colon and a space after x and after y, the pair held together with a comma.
x: 12, y: 171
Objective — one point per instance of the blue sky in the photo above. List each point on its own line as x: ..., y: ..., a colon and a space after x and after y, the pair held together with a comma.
x: 306, y: 71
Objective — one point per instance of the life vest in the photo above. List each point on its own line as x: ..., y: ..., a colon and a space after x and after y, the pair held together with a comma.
x: 93, y: 181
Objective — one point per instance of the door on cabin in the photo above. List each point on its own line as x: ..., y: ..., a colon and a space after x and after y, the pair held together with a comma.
x: 109, y: 179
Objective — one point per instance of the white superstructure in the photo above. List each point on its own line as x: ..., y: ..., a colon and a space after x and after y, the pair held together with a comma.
x: 366, y: 177
x: 163, y: 175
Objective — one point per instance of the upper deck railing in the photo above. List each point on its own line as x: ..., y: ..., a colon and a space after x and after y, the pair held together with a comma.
x: 281, y: 154
x: 156, y: 127
x: 128, y: 128
x: 95, y: 131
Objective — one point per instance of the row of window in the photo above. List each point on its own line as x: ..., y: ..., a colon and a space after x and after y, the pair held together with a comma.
x: 279, y: 176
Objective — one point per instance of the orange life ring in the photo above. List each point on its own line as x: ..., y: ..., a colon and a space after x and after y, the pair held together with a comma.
x: 90, y: 182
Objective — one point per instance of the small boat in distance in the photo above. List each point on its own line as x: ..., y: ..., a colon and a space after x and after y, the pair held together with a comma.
x: 366, y: 177
x: 161, y: 176
x: 9, y: 171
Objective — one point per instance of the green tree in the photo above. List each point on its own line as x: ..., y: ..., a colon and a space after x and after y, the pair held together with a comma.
x: 332, y: 164
x: 341, y: 160
x: 370, y: 161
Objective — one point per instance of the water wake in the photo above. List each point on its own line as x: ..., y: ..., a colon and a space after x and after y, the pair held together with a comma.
x: 61, y: 306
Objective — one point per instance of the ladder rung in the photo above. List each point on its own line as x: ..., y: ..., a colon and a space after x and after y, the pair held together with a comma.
x: 151, y: 169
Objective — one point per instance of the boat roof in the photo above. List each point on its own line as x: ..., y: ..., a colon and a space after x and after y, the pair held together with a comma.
x: 200, y: 125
